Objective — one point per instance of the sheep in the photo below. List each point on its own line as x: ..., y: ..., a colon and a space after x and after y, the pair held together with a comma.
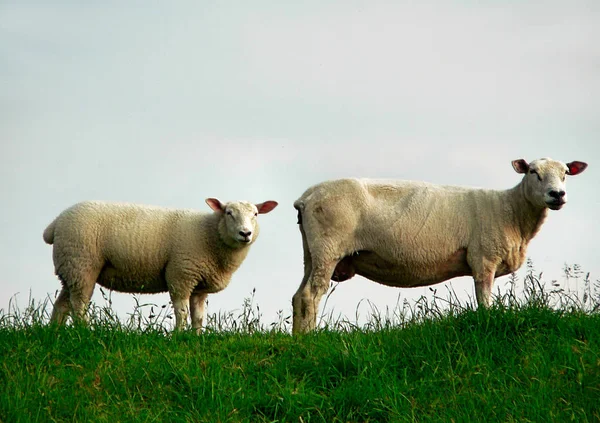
x: 409, y: 234
x: 145, y: 249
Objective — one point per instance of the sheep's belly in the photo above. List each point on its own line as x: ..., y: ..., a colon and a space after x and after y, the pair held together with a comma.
x: 375, y: 268
x: 117, y: 280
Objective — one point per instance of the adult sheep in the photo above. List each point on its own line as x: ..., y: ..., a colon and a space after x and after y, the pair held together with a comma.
x: 407, y: 234
x: 143, y: 249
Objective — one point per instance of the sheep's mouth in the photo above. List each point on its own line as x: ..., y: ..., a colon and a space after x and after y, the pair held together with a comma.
x: 556, y: 204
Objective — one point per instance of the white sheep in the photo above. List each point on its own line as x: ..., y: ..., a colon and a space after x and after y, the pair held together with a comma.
x: 143, y: 249
x: 408, y: 234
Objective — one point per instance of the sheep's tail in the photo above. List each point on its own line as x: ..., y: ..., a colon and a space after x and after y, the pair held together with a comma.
x: 299, y: 205
x: 49, y: 233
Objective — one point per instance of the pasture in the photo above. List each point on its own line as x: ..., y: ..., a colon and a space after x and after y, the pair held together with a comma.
x: 531, y: 357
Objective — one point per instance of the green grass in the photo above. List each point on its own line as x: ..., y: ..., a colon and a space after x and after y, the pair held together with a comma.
x: 522, y: 360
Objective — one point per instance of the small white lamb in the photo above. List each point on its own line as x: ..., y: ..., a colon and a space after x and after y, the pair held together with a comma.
x: 143, y: 249
x: 406, y: 234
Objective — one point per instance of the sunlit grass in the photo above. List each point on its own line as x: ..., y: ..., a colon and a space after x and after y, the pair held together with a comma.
x: 533, y: 356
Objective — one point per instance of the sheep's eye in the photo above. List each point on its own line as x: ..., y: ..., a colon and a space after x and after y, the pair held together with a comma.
x: 533, y: 172
x: 229, y: 213
x: 255, y: 213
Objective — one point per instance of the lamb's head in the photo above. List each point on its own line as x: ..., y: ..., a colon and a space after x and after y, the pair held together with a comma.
x: 238, y: 225
x: 544, y: 180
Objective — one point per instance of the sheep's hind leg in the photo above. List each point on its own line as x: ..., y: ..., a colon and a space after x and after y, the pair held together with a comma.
x: 80, y: 295
x: 197, y: 305
x: 299, y: 324
x: 62, y: 307
x: 307, y: 298
x: 299, y: 319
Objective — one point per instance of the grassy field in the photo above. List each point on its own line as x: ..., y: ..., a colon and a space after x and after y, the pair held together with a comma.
x: 535, y: 359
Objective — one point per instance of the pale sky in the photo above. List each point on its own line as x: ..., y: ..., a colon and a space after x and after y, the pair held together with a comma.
x: 170, y: 103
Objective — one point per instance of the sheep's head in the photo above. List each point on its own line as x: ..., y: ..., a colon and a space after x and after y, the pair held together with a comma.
x: 544, y: 180
x: 239, y: 225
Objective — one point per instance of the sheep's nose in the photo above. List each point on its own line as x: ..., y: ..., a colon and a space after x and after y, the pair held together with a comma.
x: 246, y: 234
x: 557, y: 194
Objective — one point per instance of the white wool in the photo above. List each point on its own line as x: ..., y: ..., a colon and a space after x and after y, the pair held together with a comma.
x: 144, y: 249
x: 406, y: 233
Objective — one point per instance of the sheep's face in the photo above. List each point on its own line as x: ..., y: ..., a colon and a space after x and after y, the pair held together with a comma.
x: 544, y: 180
x: 240, y: 221
x: 240, y: 224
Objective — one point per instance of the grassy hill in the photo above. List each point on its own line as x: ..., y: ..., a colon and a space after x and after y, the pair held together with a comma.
x: 518, y: 361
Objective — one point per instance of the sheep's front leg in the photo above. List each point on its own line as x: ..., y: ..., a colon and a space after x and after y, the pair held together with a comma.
x: 180, y: 286
x: 197, y: 306
x: 484, y: 271
x: 306, y: 300
x: 483, y: 290
x: 180, y: 307
x: 484, y: 282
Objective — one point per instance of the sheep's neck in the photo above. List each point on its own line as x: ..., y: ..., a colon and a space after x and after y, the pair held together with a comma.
x: 528, y: 218
x: 231, y: 258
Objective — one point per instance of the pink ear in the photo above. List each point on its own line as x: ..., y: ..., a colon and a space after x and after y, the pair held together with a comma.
x: 215, y: 204
x: 266, y: 207
x: 575, y: 168
x: 520, y: 166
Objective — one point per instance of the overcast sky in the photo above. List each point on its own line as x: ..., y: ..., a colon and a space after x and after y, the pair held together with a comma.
x: 171, y: 103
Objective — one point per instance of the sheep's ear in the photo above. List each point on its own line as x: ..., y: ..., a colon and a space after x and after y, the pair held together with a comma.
x: 520, y: 166
x: 215, y: 204
x: 575, y: 168
x: 266, y: 207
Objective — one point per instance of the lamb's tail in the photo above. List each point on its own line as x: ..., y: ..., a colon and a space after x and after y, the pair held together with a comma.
x: 49, y: 233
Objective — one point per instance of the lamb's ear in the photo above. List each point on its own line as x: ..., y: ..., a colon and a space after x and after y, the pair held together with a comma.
x: 520, y: 166
x: 266, y: 207
x: 215, y: 204
x: 575, y: 168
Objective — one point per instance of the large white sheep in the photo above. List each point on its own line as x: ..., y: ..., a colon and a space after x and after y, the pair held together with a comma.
x: 407, y: 234
x: 142, y: 249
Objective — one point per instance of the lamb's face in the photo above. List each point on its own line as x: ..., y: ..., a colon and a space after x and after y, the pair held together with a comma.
x: 544, y: 180
x: 241, y: 222
x: 237, y: 224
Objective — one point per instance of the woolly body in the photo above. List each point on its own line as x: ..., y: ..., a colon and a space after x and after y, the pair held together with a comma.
x: 407, y: 234
x: 145, y: 249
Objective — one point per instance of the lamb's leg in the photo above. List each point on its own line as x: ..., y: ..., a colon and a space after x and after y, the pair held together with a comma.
x: 197, y: 305
x: 78, y: 273
x: 180, y: 308
x: 180, y: 289
x: 62, y: 307
x: 80, y: 296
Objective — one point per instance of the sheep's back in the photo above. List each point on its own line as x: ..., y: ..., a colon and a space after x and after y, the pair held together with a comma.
x: 406, y: 215
x: 126, y: 236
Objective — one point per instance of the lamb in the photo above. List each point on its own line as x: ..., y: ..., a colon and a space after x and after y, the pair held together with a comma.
x: 144, y: 249
x: 409, y: 234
